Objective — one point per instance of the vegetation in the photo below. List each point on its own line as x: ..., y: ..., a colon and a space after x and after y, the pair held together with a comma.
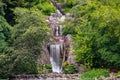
x: 70, y: 69
x: 67, y: 4
x: 95, y: 29
x: 5, y: 32
x: 117, y: 74
x: 95, y: 73
x: 44, y: 68
x: 47, y: 10
x: 21, y: 38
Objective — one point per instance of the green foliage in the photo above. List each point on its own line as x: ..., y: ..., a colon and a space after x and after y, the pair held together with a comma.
x: 21, y: 3
x: 95, y: 30
x: 113, y: 3
x: 4, y: 66
x: 19, y: 54
x: 29, y: 33
x: 12, y: 4
x: 48, y: 66
x: 31, y: 29
x: 95, y: 73
x: 5, y: 34
x: 96, y: 34
x: 69, y: 4
x: 2, y: 8
x: 70, y: 69
x: 5, y: 48
x: 24, y: 63
x: 44, y: 68
x: 69, y: 28
x: 117, y: 74
x: 46, y: 8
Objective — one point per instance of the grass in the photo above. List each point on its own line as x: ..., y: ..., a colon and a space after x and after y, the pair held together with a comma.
x: 94, y: 73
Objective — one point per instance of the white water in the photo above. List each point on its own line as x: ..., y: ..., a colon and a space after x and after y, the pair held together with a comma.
x: 60, y: 30
x: 55, y: 58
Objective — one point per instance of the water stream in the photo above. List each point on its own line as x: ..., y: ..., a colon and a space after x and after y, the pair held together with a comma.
x: 55, y: 58
x: 56, y: 50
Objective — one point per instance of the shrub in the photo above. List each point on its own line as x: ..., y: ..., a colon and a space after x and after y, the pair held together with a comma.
x: 95, y: 73
x: 4, y: 66
x: 45, y: 68
x: 24, y: 64
x: 117, y: 74
x: 95, y: 35
x: 47, y: 10
x: 70, y: 69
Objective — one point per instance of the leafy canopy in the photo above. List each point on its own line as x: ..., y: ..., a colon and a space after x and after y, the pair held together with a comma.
x: 95, y: 29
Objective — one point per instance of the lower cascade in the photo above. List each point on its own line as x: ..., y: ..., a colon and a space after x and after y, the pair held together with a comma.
x: 55, y: 58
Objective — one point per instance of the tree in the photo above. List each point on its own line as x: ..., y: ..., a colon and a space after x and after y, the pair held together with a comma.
x: 23, y: 63
x: 96, y: 33
x: 5, y: 34
x: 46, y: 10
x: 11, y: 4
x: 2, y: 8
x: 5, y: 48
x: 4, y: 66
x: 29, y: 33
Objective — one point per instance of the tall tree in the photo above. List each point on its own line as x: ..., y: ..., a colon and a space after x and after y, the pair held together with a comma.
x: 30, y: 31
x: 5, y: 34
x: 95, y: 29
x: 11, y: 4
x: 2, y: 8
x: 5, y: 47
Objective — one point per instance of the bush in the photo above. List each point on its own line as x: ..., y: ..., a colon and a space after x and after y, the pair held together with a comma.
x: 96, y: 36
x: 48, y: 66
x: 70, y: 69
x: 67, y: 7
x: 46, y: 8
x: 117, y: 74
x: 24, y: 64
x: 4, y: 66
x: 45, y: 68
x: 95, y: 73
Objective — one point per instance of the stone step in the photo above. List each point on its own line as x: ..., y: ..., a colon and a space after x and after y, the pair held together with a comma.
x: 50, y: 76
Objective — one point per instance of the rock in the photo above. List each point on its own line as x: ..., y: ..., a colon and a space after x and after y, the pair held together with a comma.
x: 50, y: 76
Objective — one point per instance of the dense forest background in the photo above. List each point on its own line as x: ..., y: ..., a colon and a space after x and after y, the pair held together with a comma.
x: 95, y: 29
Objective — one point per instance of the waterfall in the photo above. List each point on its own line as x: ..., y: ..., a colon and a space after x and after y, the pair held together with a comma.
x: 57, y: 31
x: 57, y: 49
x: 60, y: 30
x: 55, y: 58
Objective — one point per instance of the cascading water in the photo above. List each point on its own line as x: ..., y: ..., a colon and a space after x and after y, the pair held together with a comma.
x: 60, y: 30
x: 56, y: 49
x: 55, y: 58
x: 59, y: 49
x: 57, y: 32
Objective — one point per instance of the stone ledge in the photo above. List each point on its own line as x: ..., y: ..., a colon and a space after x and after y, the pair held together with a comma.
x: 51, y: 76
